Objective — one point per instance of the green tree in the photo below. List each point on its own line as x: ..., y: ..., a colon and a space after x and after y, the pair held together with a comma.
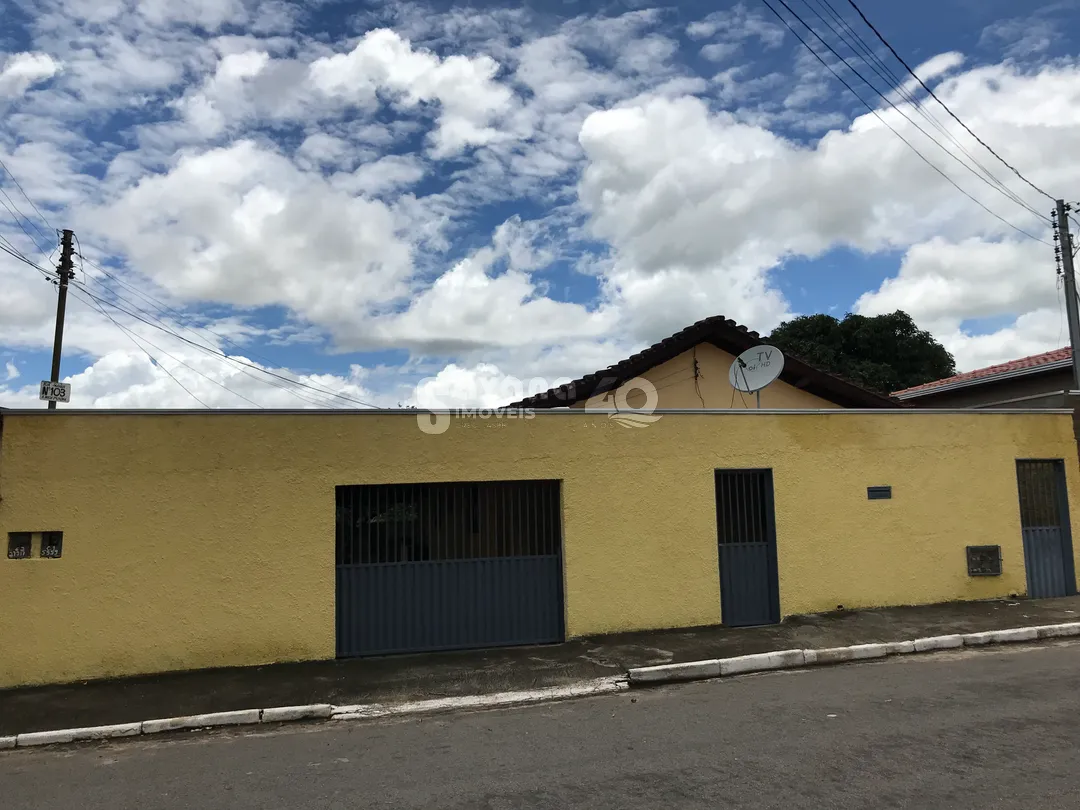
x: 884, y: 353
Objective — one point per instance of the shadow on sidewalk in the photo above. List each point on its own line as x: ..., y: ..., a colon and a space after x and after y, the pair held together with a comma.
x: 413, y: 677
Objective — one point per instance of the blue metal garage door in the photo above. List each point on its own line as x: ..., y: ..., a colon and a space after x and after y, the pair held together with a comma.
x: 448, y: 566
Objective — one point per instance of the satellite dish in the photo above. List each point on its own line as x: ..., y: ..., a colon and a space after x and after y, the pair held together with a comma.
x: 756, y: 368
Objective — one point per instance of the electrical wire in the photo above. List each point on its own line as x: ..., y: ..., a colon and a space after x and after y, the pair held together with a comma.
x: 10, y: 249
x: 17, y: 254
x: 742, y: 368
x: 132, y: 338
x: 867, y: 55
x: 153, y: 362
x: 882, y: 119
x: 934, y: 96
x: 322, y: 403
x: 697, y: 378
x: 674, y: 382
x: 49, y: 277
x: 163, y: 309
x: 27, y: 196
x: 231, y: 360
x: 19, y: 216
x: 178, y: 360
x: 279, y: 381
x: 658, y: 380
x: 1000, y: 187
x: 219, y: 353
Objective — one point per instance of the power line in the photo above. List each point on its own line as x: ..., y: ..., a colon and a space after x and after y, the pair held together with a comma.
x: 19, y: 216
x: 221, y: 356
x: 96, y: 302
x: 867, y: 55
x: 163, y: 309
x: 27, y: 196
x: 323, y: 403
x: 153, y: 362
x: 49, y: 277
x: 219, y: 353
x: 933, y: 95
x: 20, y: 255
x: 1009, y: 194
x: 173, y: 357
x: 17, y: 254
x: 279, y: 381
x: 882, y: 119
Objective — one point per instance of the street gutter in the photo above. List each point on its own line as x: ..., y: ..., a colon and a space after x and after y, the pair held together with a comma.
x: 635, y: 677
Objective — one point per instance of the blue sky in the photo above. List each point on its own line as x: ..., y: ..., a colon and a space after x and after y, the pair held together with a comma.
x: 441, y: 203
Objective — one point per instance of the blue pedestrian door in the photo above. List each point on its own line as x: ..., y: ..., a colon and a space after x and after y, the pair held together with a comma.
x: 746, y: 541
x: 1044, y: 524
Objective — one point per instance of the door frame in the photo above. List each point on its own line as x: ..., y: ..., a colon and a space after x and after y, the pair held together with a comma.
x: 1061, y: 493
x: 772, y: 554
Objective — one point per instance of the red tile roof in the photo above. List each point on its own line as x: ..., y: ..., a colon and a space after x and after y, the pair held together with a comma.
x: 1033, y: 362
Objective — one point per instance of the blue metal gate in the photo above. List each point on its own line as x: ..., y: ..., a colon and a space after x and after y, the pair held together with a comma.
x: 447, y: 566
x: 746, y: 538
x: 1044, y: 524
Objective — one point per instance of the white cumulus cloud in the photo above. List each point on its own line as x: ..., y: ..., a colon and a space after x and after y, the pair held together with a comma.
x: 21, y: 71
x: 469, y: 96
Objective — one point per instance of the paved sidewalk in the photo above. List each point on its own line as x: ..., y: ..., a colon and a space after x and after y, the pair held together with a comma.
x: 412, y: 677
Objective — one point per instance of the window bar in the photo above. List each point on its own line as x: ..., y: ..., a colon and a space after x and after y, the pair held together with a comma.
x: 733, y: 490
x: 384, y: 541
x: 514, y: 542
x: 759, y: 512
x: 528, y: 509
x: 538, y: 507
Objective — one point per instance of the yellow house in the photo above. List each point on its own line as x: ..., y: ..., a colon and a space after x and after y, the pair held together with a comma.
x: 689, y: 370
x: 166, y: 540
x: 179, y: 540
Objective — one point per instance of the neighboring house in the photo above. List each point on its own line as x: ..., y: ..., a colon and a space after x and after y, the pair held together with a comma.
x: 1039, y: 381
x: 690, y: 370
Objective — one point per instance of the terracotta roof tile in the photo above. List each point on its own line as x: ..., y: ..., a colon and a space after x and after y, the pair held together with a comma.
x: 725, y: 334
x: 1034, y: 361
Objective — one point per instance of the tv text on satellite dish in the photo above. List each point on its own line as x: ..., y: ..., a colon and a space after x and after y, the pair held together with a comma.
x: 755, y: 368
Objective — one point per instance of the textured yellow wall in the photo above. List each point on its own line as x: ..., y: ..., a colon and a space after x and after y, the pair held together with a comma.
x: 208, y: 539
x: 678, y: 388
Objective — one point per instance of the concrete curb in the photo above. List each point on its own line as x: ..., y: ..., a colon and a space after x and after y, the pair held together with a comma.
x: 640, y: 676
x: 239, y: 718
x: 602, y: 686
x: 315, y: 711
x: 791, y: 659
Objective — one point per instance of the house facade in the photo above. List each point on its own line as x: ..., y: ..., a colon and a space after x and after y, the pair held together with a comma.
x: 143, y: 542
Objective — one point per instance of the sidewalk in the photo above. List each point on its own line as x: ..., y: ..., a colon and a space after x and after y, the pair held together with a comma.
x: 402, y: 678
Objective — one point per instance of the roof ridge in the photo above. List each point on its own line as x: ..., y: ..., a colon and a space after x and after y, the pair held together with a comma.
x: 722, y: 332
x: 1020, y: 363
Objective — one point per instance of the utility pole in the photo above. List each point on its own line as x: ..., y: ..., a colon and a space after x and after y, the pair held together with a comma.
x: 1064, y: 249
x: 65, y: 270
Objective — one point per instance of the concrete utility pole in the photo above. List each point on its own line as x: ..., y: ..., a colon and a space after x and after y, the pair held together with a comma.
x: 1068, y: 272
x: 65, y: 270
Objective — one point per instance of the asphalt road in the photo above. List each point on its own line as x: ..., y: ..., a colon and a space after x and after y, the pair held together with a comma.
x: 983, y: 729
